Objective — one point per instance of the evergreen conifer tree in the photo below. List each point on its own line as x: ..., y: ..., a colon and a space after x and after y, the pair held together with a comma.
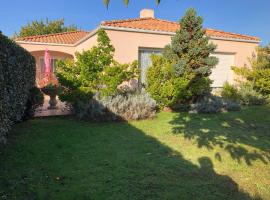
x: 190, y: 53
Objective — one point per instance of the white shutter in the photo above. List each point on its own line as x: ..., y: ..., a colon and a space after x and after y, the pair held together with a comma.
x: 145, y: 61
x: 223, y: 72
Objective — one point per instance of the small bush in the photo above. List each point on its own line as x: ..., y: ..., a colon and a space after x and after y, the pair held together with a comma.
x: 214, y: 104
x: 35, y: 99
x: 209, y: 104
x: 249, y: 96
x: 116, y: 108
x: 231, y: 105
x: 230, y: 92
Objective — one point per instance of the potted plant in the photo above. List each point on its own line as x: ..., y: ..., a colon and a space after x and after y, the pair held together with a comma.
x: 52, y: 91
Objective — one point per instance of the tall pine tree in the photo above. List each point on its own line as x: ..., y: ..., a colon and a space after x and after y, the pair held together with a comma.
x: 190, y: 51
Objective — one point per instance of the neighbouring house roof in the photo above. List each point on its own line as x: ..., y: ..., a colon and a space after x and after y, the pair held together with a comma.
x: 57, y: 38
x: 154, y: 24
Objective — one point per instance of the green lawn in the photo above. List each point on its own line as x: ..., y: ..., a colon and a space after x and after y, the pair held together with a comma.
x: 175, y: 156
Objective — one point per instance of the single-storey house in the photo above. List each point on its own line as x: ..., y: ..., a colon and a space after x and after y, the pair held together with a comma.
x: 137, y: 39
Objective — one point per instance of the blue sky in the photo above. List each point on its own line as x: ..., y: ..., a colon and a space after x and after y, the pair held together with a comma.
x: 241, y: 16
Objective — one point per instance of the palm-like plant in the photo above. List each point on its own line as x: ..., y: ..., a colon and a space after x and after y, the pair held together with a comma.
x: 107, y: 2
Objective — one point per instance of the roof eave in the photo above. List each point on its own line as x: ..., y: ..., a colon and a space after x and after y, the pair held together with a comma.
x: 43, y: 43
x: 173, y: 33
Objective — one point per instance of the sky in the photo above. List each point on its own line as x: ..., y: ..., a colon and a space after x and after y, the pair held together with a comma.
x: 249, y: 17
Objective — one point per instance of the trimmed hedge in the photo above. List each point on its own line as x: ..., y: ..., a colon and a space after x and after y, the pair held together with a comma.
x: 17, y: 78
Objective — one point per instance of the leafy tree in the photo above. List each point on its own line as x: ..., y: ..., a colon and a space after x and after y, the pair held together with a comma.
x: 258, y: 75
x: 107, y: 2
x: 188, y: 63
x: 93, y: 71
x: 81, y: 79
x: 43, y: 27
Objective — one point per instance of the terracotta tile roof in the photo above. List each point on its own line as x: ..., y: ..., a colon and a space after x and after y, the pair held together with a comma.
x: 58, y: 38
x: 154, y: 24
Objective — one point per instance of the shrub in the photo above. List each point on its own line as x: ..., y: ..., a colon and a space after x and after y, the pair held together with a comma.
x: 181, y: 75
x: 119, y: 107
x: 258, y: 74
x: 231, y: 105
x: 164, y: 86
x: 249, y: 96
x: 214, y: 104
x: 230, y: 92
x: 17, y: 77
x: 209, y: 104
x: 35, y: 99
x: 114, y: 75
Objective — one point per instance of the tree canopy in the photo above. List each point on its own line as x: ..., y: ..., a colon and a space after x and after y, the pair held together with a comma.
x: 42, y: 27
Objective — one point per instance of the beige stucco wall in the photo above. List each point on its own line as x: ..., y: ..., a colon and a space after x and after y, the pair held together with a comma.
x: 242, y: 50
x: 127, y: 45
x: 87, y: 44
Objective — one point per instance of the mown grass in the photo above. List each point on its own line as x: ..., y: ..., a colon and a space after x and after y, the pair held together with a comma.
x: 175, y: 156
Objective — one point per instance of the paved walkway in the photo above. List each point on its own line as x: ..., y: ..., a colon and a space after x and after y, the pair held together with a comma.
x: 43, y: 111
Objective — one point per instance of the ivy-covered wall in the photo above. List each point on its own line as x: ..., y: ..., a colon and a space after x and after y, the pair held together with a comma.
x: 17, y: 77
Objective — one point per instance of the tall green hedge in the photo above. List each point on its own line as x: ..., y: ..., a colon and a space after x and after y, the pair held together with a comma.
x: 17, y: 77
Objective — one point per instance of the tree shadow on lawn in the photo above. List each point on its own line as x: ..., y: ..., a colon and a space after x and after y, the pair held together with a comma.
x: 60, y: 158
x: 238, y: 133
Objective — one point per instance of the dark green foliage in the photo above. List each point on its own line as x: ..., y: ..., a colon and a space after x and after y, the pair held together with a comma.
x: 132, y: 106
x: 51, y: 89
x: 43, y: 27
x: 17, y: 77
x: 35, y: 99
x: 183, y: 73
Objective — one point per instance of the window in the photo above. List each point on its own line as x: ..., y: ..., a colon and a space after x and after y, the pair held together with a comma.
x: 53, y: 65
x: 145, y: 61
